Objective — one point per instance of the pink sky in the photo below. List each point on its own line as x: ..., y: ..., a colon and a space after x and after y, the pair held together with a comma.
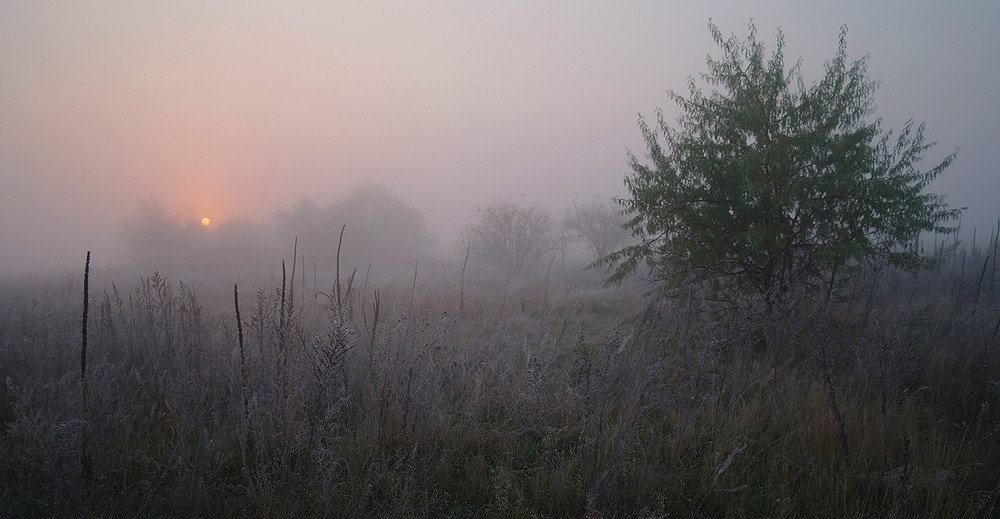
x: 237, y: 109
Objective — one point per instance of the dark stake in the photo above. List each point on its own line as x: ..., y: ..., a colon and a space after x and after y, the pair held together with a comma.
x: 243, y: 368
x: 461, y: 286
x: 86, y: 467
x: 83, y: 341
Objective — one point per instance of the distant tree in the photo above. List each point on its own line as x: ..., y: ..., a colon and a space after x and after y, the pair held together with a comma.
x: 315, y: 229
x: 243, y: 242
x: 511, y: 237
x: 768, y: 186
x: 381, y: 227
x: 179, y: 244
x: 155, y: 238
x: 384, y: 226
x: 303, y: 219
x: 598, y: 224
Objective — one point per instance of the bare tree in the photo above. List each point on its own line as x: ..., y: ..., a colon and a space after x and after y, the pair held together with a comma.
x: 511, y: 237
x: 598, y: 224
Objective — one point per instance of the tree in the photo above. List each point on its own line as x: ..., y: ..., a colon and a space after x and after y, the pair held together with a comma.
x: 768, y: 187
x: 381, y: 228
x: 175, y: 242
x: 384, y: 226
x: 511, y: 237
x: 596, y: 223
x: 154, y: 237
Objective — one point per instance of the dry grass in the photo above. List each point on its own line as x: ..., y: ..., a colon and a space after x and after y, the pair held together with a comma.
x: 572, y: 401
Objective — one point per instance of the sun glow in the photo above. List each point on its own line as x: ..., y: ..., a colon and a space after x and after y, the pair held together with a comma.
x: 205, y: 222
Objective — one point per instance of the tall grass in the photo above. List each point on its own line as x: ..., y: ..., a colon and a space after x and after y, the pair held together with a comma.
x: 442, y: 401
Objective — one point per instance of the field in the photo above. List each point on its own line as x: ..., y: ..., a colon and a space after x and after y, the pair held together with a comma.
x: 437, y: 396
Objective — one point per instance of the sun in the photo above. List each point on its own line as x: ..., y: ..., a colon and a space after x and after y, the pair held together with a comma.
x: 205, y: 222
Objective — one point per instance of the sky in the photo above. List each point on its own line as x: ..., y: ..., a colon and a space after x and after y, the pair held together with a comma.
x: 235, y: 109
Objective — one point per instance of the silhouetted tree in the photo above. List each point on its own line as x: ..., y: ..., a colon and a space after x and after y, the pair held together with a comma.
x: 157, y: 239
x: 243, y: 242
x: 511, y: 237
x: 598, y: 224
x: 179, y: 244
x: 768, y: 186
x: 381, y: 228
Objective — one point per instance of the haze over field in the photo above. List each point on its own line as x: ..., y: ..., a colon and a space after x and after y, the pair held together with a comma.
x: 235, y: 110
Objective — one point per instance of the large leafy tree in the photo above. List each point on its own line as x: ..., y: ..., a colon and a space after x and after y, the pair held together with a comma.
x: 768, y: 186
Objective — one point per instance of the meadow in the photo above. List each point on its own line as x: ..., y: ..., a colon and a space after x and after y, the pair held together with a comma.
x: 440, y: 395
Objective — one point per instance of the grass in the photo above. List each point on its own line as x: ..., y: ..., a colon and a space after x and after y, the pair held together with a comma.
x: 465, y: 399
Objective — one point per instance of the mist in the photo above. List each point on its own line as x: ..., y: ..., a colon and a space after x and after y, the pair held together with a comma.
x: 331, y: 259
x: 238, y: 110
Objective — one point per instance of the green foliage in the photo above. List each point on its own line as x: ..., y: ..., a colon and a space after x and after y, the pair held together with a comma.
x: 768, y: 187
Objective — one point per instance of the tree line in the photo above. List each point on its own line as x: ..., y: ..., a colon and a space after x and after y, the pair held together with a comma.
x: 765, y: 188
x: 381, y: 228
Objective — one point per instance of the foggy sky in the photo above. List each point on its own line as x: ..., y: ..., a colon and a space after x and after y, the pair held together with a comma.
x: 236, y: 109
